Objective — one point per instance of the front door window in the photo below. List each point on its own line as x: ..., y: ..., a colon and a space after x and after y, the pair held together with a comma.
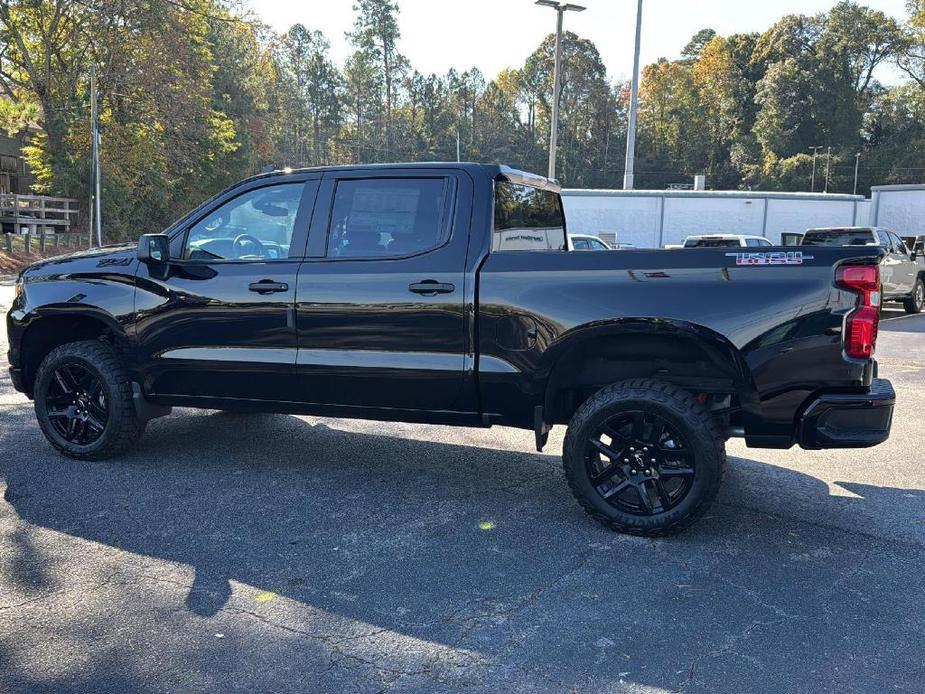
x: 256, y: 225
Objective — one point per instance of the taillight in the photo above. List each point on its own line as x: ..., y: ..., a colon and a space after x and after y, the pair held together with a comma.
x: 861, y: 325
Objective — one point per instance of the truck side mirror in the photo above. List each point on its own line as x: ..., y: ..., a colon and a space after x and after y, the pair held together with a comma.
x: 154, y: 248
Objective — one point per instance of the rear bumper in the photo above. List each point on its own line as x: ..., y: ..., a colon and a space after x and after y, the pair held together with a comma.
x: 848, y: 420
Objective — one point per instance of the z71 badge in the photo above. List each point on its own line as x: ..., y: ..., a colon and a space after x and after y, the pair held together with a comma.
x: 771, y: 258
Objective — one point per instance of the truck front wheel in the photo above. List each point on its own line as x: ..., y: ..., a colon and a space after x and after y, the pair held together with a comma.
x: 644, y: 457
x: 83, y: 401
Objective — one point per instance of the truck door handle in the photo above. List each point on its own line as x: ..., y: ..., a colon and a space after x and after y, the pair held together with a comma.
x: 431, y: 288
x: 268, y: 287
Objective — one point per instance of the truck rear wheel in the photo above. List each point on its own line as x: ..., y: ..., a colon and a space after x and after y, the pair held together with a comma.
x: 83, y: 401
x: 916, y: 302
x: 644, y: 457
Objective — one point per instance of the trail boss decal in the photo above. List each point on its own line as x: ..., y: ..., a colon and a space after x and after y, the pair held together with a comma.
x: 772, y: 258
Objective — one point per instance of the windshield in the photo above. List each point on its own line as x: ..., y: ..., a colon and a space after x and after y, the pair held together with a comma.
x: 840, y: 237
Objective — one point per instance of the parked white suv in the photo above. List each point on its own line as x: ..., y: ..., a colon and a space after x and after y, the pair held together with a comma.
x: 725, y: 241
x: 586, y: 242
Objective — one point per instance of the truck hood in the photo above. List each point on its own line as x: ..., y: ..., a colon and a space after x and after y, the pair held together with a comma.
x: 119, y: 256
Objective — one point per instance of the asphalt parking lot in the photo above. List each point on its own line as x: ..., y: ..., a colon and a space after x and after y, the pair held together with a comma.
x: 276, y: 554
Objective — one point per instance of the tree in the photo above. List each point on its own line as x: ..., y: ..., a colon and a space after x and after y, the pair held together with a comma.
x: 587, y: 108
x: 360, y: 96
x: 860, y: 40
x: 672, y: 130
x: 314, y: 84
x: 43, y: 61
x: 376, y: 32
x: 698, y: 42
x: 911, y: 52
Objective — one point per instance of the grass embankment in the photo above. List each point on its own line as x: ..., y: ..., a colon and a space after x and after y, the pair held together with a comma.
x: 11, y: 264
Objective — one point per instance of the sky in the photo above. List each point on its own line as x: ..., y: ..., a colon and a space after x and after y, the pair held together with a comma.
x: 495, y: 34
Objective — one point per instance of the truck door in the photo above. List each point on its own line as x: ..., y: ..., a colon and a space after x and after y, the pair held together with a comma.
x: 906, y: 268
x: 381, y: 314
x: 218, y: 322
x: 889, y: 272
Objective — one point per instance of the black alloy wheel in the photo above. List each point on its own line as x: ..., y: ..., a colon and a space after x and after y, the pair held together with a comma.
x: 639, y: 464
x: 76, y: 404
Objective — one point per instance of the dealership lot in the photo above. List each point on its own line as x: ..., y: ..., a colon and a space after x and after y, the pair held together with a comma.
x: 278, y: 553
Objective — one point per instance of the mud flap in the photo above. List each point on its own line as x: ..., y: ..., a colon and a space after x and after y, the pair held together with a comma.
x: 540, y: 428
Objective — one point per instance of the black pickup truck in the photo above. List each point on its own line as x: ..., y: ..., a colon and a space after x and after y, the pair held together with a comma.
x: 446, y: 293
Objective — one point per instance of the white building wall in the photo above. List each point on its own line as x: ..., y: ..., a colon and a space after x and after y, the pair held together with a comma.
x: 900, y: 208
x: 796, y: 216
x: 655, y: 218
x: 710, y: 215
x: 634, y: 220
x: 862, y: 216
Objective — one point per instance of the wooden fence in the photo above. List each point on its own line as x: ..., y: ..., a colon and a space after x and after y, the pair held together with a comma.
x: 33, y: 244
x: 37, y: 214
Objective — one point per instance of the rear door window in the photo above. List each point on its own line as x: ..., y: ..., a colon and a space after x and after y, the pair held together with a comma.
x: 527, y: 219
x: 387, y: 217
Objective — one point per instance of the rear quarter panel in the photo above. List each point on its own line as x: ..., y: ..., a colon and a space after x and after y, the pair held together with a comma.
x: 781, y: 324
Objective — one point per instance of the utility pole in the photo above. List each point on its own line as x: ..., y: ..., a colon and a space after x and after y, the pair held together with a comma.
x: 812, y: 181
x: 457, y: 145
x: 857, y: 164
x: 560, y: 9
x: 95, y: 135
x: 628, y: 173
x: 828, y: 165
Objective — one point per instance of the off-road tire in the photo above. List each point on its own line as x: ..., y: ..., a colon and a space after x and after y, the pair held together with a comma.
x: 122, y: 428
x: 916, y: 302
x: 683, y: 411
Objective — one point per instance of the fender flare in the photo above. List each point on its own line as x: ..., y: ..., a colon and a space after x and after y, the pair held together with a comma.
x: 717, y: 347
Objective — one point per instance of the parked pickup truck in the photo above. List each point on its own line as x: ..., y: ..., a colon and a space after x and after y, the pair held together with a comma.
x: 902, y: 270
x: 392, y: 293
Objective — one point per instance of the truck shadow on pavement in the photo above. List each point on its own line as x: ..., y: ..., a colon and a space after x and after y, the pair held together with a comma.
x: 482, y: 552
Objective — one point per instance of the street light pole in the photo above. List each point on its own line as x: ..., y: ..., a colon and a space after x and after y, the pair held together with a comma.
x: 857, y: 164
x: 560, y: 9
x: 95, y: 153
x: 828, y: 165
x: 812, y: 181
x: 634, y: 104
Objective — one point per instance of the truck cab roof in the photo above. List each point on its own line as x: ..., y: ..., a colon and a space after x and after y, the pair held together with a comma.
x: 491, y: 170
